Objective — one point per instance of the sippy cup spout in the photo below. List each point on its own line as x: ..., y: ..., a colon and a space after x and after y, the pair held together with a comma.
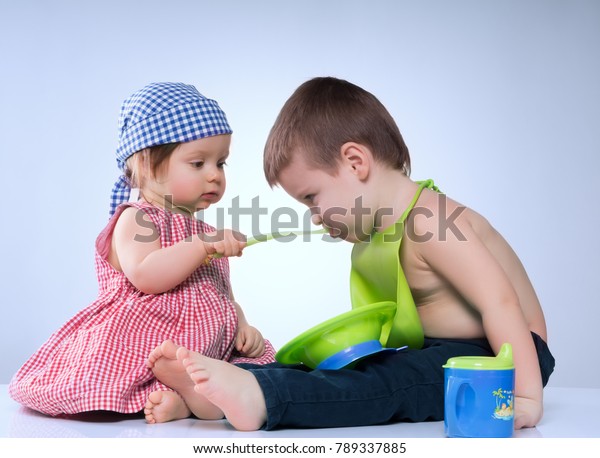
x: 505, y: 353
x: 502, y: 361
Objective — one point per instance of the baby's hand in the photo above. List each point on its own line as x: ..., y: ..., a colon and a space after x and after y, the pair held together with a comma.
x: 528, y: 412
x: 224, y: 242
x: 250, y: 342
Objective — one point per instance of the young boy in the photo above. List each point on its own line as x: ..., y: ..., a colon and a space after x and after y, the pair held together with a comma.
x: 335, y: 147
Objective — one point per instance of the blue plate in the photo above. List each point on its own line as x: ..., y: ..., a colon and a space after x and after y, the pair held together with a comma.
x: 354, y: 354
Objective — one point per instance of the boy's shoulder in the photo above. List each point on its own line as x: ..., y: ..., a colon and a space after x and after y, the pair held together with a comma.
x: 437, y: 217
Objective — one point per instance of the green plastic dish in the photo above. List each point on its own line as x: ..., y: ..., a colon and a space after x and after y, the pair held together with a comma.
x: 357, y: 326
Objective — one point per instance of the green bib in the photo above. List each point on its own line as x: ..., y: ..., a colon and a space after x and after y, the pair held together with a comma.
x: 376, y: 276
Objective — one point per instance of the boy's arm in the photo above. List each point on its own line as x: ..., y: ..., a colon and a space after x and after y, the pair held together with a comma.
x: 153, y: 269
x: 479, y: 278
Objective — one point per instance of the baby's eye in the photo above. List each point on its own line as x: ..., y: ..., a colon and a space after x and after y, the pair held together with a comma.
x: 222, y: 164
x: 197, y: 164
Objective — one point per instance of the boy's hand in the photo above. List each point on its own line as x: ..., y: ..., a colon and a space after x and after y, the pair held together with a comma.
x: 224, y: 242
x: 250, y: 342
x: 528, y: 412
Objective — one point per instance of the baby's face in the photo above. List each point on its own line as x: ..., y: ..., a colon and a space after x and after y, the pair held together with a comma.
x: 335, y: 199
x: 195, y: 176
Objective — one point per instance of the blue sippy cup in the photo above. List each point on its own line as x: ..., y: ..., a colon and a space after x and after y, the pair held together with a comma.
x: 479, y: 395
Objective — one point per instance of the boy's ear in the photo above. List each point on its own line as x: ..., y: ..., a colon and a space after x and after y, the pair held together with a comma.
x: 357, y: 158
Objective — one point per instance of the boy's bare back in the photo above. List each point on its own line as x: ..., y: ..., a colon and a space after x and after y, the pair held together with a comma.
x: 444, y: 312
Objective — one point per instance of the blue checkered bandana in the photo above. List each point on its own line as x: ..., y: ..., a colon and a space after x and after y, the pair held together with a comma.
x: 163, y: 113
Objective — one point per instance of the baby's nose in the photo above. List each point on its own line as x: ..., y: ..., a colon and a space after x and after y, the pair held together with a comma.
x: 212, y: 175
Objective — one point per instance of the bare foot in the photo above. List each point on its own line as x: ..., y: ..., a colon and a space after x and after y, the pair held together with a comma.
x: 234, y: 390
x: 168, y: 370
x: 163, y: 406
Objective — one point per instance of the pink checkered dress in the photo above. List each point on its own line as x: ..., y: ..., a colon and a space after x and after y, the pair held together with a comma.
x: 97, y: 360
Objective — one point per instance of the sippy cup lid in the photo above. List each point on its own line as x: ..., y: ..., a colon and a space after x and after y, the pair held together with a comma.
x: 503, y: 361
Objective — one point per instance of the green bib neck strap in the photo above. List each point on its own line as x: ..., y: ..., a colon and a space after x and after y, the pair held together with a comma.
x: 422, y: 185
x: 377, y: 276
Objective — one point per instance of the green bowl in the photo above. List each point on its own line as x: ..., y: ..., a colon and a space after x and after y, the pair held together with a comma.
x: 340, y: 340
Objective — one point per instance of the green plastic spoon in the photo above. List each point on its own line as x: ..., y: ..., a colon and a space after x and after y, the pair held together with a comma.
x: 279, y: 235
x: 276, y: 235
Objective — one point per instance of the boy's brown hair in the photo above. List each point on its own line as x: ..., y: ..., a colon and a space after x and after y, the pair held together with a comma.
x: 322, y: 115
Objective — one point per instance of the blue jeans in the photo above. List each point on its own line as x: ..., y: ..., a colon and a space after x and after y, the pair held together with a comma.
x: 387, y: 387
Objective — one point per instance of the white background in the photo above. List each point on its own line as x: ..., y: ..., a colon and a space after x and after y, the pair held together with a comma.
x: 499, y: 102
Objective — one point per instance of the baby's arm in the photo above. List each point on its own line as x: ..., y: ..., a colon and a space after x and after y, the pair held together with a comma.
x: 472, y: 270
x: 249, y: 341
x: 153, y: 269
